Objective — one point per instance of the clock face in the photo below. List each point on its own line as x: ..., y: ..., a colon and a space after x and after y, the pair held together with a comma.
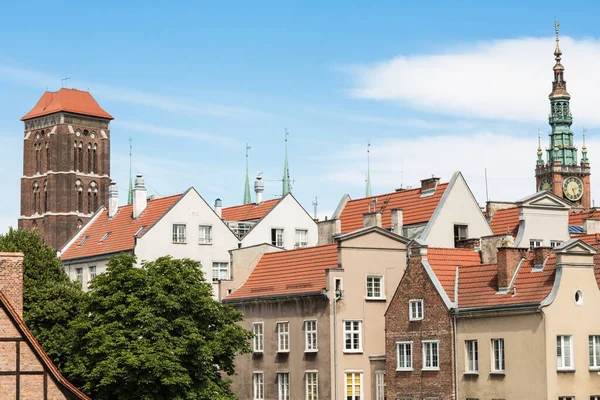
x: 545, y: 184
x: 573, y: 188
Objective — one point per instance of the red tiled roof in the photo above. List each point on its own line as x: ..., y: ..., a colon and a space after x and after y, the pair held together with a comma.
x: 70, y: 100
x: 289, y: 272
x: 248, y: 212
x: 415, y: 209
x: 122, y: 228
x: 506, y: 221
x: 576, y: 216
x: 38, y: 350
x: 444, y: 263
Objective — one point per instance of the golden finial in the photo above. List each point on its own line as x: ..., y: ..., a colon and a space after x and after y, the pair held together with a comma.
x: 539, y: 150
x: 557, y: 51
x: 584, y: 132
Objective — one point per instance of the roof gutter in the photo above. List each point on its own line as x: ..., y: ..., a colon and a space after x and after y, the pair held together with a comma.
x: 469, y: 311
x: 97, y: 257
x: 276, y: 297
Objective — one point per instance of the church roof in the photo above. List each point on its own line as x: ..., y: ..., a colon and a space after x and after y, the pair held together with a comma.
x: 69, y: 100
x: 122, y: 229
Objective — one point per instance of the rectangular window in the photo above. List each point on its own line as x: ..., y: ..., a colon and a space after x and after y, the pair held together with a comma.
x: 310, y: 331
x: 79, y: 274
x: 178, y: 233
x: 564, y: 352
x: 283, y: 386
x: 277, y: 237
x: 375, y: 287
x: 460, y: 233
x: 415, y: 309
x: 555, y: 243
x: 431, y: 355
x: 204, y: 234
x: 404, y: 356
x: 92, y: 273
x: 339, y: 289
x: 301, y: 238
x: 283, y: 337
x: 258, y: 386
x: 566, y: 397
x: 220, y: 271
x: 352, y: 336
x: 353, y: 385
x: 595, y: 397
x: 380, y: 385
x: 472, y: 356
x: 312, y: 386
x: 258, y: 342
x: 498, y: 355
x: 594, y: 350
x: 533, y: 243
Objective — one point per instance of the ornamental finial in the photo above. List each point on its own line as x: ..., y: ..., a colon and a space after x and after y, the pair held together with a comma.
x: 540, y: 160
x: 557, y: 51
x: 584, y: 158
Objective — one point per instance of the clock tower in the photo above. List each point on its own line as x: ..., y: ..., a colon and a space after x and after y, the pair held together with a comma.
x: 562, y: 174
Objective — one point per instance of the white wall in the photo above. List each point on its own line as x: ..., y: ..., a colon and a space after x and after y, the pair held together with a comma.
x: 545, y: 224
x: 289, y: 215
x: 100, y: 265
x: 459, y: 207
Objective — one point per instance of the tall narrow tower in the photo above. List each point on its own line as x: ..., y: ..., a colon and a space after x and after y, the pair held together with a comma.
x: 562, y: 174
x: 286, y: 170
x: 66, y: 164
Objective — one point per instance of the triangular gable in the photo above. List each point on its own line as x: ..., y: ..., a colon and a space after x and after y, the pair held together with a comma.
x: 545, y: 199
x: 575, y: 246
x: 373, y: 229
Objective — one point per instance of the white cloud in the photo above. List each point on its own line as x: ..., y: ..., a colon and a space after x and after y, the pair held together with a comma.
x: 503, y: 79
x: 174, y: 132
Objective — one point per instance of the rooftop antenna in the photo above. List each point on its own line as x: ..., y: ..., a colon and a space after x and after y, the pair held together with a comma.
x: 286, y: 171
x: 368, y: 180
x: 130, y: 196
x: 64, y: 80
x: 247, y: 197
x: 487, y: 197
x: 401, y: 172
x: 315, y: 204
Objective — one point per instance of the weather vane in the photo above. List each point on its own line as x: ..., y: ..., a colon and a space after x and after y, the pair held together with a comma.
x: 556, y: 25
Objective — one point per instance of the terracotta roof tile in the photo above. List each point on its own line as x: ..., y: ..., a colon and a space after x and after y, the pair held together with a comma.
x: 70, y: 100
x: 248, y: 212
x: 415, y: 209
x: 576, y: 216
x: 444, y: 263
x: 122, y: 228
x: 506, y: 221
x: 289, y: 272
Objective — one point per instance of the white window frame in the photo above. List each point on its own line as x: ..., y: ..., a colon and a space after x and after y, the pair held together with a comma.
x: 374, y: 277
x: 311, y: 336
x: 283, y: 386
x: 428, y: 350
x: 279, y: 237
x: 218, y: 267
x: 299, y: 243
x: 283, y: 337
x: 380, y: 385
x: 594, y: 352
x: 561, y: 359
x: 312, y: 379
x: 258, y: 341
x: 472, y: 357
x: 359, y: 375
x: 498, y: 356
x: 179, y: 233
x: 533, y: 243
x: 79, y: 275
x: 555, y: 243
x: 203, y: 237
x: 566, y: 397
x: 353, y: 331
x: 407, y: 357
x: 416, y: 317
x: 258, y: 385
x: 92, y: 271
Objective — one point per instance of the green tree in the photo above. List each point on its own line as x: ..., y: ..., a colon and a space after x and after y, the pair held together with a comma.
x: 155, y: 333
x: 50, y: 299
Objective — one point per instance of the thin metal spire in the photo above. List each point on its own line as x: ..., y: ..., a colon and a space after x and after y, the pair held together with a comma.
x: 584, y: 158
x: 247, y: 196
x: 286, y: 169
x: 368, y: 192
x: 130, y: 196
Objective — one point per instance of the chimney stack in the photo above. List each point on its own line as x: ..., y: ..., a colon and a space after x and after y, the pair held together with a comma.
x: 509, y: 259
x: 397, y: 221
x: 11, y: 279
x: 540, y: 254
x: 113, y: 199
x: 372, y: 219
x: 327, y: 230
x: 429, y: 184
x: 259, y: 187
x: 218, y: 207
x: 140, y: 196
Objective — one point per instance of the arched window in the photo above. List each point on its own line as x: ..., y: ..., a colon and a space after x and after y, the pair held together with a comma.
x: 89, y: 158
x: 79, y: 188
x: 47, y: 157
x: 95, y: 157
x: 38, y: 156
x: 75, y: 157
x: 34, y: 226
x: 79, y: 224
x: 36, y: 197
x: 92, y: 197
x: 46, y: 196
x: 80, y: 153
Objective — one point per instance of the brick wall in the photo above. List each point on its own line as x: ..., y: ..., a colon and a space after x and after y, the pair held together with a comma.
x: 436, y: 325
x: 11, y: 279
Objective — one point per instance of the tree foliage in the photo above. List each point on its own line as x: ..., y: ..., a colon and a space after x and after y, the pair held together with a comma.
x: 50, y: 299
x: 155, y: 333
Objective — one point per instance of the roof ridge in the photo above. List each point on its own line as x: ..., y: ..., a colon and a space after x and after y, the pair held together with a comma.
x: 250, y: 204
x: 299, y: 249
x: 394, y: 192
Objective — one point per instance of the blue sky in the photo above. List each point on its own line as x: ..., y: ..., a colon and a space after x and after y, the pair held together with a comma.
x: 434, y: 86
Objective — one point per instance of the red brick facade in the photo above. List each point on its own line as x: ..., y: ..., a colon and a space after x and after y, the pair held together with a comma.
x: 435, y: 325
x: 66, y: 173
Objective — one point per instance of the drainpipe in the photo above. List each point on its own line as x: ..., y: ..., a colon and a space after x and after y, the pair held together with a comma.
x: 455, y: 359
x: 338, y: 295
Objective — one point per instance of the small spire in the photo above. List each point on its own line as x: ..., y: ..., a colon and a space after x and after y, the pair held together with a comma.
x: 286, y: 169
x: 247, y: 196
x: 557, y: 51
x: 559, y: 86
x: 368, y: 192
x: 130, y: 195
x: 584, y: 158
x: 540, y: 160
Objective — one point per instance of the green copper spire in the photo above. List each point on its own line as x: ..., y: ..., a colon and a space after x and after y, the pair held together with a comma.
x: 540, y: 160
x: 247, y: 197
x: 584, y: 159
x: 286, y: 169
x: 561, y: 147
x: 130, y: 195
x: 368, y: 192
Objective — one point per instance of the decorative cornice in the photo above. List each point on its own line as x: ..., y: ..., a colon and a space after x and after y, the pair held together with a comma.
x: 78, y: 173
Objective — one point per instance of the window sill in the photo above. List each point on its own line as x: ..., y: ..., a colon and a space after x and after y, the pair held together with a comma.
x: 415, y: 319
x: 404, y: 369
x: 283, y: 352
x: 594, y: 369
x: 471, y: 373
x: 353, y: 351
x: 179, y: 242
x: 567, y: 370
x: 430, y: 369
x: 205, y: 244
x: 258, y: 352
x: 375, y: 299
x: 502, y: 373
x: 311, y: 351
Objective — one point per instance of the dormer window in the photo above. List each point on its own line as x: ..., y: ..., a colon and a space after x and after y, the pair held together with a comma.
x: 460, y: 233
x: 83, y: 240
x: 106, y: 235
x: 533, y: 243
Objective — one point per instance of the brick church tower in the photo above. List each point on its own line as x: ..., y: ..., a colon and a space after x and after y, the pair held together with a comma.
x: 66, y: 164
x: 562, y: 174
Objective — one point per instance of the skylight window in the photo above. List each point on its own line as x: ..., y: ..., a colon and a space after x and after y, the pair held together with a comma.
x: 83, y: 240
x: 104, y: 237
x: 139, y: 231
